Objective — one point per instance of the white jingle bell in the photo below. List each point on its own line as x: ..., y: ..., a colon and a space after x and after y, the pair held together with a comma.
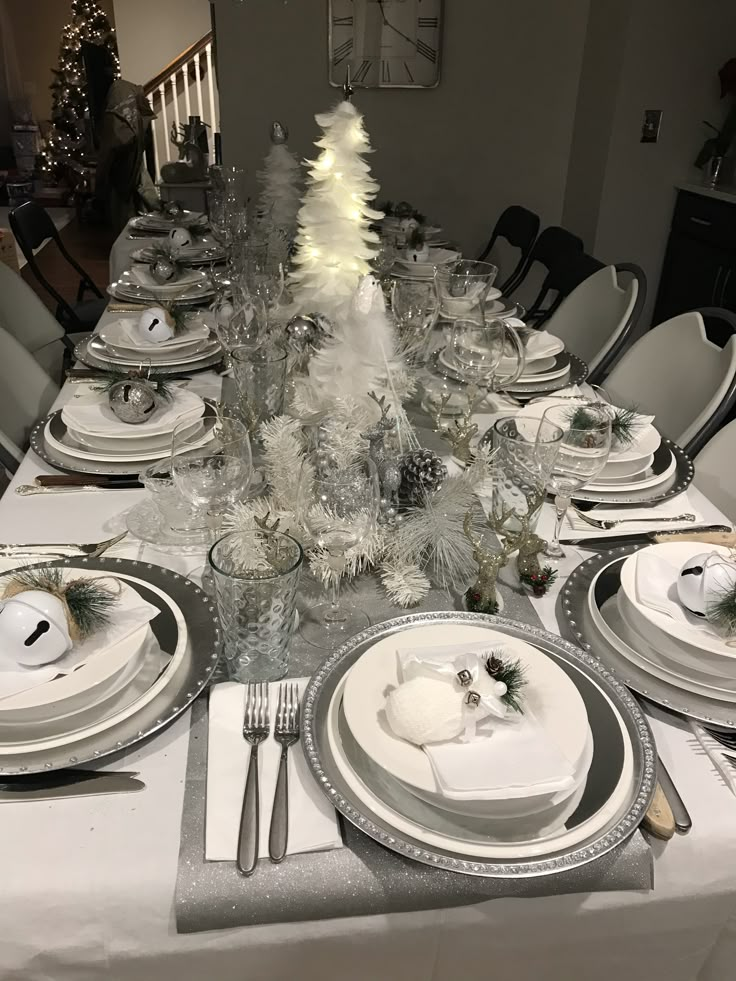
x: 33, y: 628
x: 155, y: 325
x: 703, y: 579
x: 420, y: 254
x: 180, y: 237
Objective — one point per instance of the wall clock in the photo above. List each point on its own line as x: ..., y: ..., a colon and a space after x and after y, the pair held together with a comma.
x: 386, y: 43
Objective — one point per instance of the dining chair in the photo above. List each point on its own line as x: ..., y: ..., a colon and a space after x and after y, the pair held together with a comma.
x: 26, y: 391
x: 596, y: 320
x: 714, y: 470
x: 25, y: 316
x: 677, y: 374
x: 553, y: 244
x: 565, y: 275
x: 518, y: 227
x: 32, y: 226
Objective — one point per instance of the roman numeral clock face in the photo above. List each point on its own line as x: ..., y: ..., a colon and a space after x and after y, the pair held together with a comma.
x: 386, y: 43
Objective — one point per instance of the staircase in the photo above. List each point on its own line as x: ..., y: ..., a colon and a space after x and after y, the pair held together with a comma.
x: 186, y: 87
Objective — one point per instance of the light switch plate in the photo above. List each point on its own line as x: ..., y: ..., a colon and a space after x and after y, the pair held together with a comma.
x: 650, y: 125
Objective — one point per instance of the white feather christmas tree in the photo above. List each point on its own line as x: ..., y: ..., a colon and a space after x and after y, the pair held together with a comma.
x: 334, y: 243
x: 281, y: 183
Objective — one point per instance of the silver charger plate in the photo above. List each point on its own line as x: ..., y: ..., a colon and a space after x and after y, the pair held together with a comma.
x: 581, y: 628
x: 92, y: 360
x: 578, y: 374
x: 194, y: 296
x: 187, y: 680
x: 72, y: 464
x: 324, y: 683
x: 674, y: 485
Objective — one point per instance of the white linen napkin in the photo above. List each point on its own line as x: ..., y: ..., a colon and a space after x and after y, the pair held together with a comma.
x: 655, y: 583
x: 574, y: 525
x: 313, y: 825
x: 129, y: 614
x: 505, y: 754
x: 141, y: 276
x: 92, y: 415
x: 195, y: 331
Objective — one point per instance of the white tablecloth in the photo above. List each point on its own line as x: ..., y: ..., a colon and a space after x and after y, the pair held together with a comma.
x: 87, y: 885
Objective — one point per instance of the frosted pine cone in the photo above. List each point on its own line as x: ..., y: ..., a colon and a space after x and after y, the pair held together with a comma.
x: 422, y: 473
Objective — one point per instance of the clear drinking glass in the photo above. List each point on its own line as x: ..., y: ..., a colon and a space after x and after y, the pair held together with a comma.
x: 338, y: 506
x: 177, y: 515
x: 260, y: 373
x: 212, y: 475
x: 261, y: 269
x: 479, y: 346
x: 526, y: 450
x: 255, y: 578
x: 583, y: 453
x: 463, y: 287
x: 416, y: 306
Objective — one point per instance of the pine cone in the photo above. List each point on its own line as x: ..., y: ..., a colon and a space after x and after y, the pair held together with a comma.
x: 422, y: 472
x: 493, y: 665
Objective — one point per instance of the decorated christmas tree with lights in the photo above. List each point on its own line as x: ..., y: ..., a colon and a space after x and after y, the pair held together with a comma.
x: 334, y: 242
x: 69, y: 109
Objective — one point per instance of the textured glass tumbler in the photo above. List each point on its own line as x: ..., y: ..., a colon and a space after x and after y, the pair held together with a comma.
x: 260, y: 373
x: 525, y: 453
x: 256, y: 576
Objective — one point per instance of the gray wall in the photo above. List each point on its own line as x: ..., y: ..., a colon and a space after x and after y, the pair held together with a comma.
x: 497, y: 130
x: 152, y: 33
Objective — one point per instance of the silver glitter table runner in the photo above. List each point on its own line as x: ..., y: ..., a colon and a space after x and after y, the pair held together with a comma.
x: 364, y: 877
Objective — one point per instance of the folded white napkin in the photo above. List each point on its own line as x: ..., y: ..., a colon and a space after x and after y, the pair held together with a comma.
x: 313, y: 825
x: 655, y: 582
x: 196, y: 331
x: 574, y: 524
x: 504, y: 755
x: 141, y: 276
x: 130, y: 613
x: 92, y: 415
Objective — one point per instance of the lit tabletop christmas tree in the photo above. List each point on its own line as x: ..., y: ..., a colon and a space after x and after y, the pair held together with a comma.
x: 69, y: 109
x: 335, y: 245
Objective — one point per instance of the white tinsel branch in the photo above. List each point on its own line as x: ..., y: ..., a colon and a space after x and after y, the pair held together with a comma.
x: 404, y: 582
x: 283, y: 456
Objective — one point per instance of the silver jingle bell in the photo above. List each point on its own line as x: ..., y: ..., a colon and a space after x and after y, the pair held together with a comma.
x: 163, y: 271
x: 173, y: 210
x: 279, y: 132
x: 133, y: 401
x: 302, y: 331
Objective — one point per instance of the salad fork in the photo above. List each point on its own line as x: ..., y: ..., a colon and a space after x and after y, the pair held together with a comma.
x: 727, y: 739
x: 286, y: 733
x: 94, y: 549
x: 606, y: 525
x: 256, y: 726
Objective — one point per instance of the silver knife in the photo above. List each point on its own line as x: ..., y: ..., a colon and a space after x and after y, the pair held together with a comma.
x: 683, y: 821
x: 640, y: 537
x: 69, y: 783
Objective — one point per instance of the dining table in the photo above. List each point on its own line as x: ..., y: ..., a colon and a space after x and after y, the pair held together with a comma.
x: 88, y: 884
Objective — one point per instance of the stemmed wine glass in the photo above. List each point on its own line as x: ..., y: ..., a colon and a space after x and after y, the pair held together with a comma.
x: 416, y: 306
x: 478, y: 348
x: 247, y: 324
x: 338, y: 506
x: 583, y: 453
x: 212, y: 474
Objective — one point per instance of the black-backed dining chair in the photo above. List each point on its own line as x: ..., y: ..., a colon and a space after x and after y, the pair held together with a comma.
x: 519, y: 227
x: 565, y: 274
x: 32, y: 225
x: 553, y: 245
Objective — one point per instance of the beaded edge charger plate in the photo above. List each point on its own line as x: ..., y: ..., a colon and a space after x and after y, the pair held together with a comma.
x: 678, y: 482
x: 184, y: 684
x: 582, y: 628
x: 321, y: 690
x: 83, y: 354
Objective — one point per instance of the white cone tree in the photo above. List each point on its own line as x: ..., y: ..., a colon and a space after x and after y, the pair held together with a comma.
x: 334, y: 242
x: 281, y: 184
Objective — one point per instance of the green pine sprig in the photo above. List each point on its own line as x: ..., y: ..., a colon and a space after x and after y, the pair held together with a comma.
x: 88, y: 601
x: 624, y: 423
x: 163, y: 388
x: 539, y: 582
x: 721, y: 612
x: 511, y: 673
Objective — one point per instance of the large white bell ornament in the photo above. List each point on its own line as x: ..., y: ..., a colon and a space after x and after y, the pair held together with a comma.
x: 704, y: 579
x: 155, y: 325
x: 33, y: 628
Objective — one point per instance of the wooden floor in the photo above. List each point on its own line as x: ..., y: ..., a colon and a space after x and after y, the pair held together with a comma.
x: 90, y: 245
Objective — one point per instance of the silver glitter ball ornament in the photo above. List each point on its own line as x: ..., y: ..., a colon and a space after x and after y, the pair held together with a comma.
x: 163, y: 271
x: 133, y: 401
x: 302, y: 331
x: 173, y: 210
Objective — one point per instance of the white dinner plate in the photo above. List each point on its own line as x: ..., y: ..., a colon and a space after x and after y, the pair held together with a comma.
x: 126, y: 455
x: 94, y: 417
x: 639, y: 481
x: 613, y: 472
x: 123, y: 334
x: 99, y: 349
x: 693, y: 643
x: 552, y: 697
x: 113, y: 444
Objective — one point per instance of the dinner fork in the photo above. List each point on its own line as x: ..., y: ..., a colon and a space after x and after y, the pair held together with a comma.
x: 606, y: 525
x: 727, y: 739
x: 286, y: 733
x: 94, y: 549
x: 255, y: 730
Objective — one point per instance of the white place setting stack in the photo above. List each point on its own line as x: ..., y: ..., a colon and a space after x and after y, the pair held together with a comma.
x: 201, y: 252
x: 137, y: 285
x: 158, y: 222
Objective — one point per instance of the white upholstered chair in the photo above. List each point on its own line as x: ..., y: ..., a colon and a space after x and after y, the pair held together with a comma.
x: 675, y: 372
x: 24, y: 315
x: 596, y: 319
x: 715, y: 470
x: 26, y: 394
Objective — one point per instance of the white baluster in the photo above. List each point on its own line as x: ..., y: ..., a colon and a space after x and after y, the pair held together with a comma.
x: 164, y: 116
x: 185, y: 82
x: 211, y: 84
x: 175, y: 100
x: 199, y: 84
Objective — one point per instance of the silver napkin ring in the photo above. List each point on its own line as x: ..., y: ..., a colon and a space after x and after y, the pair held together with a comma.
x: 464, y: 677
x: 472, y: 699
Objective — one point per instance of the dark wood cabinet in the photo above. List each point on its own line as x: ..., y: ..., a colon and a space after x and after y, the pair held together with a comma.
x: 700, y: 262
